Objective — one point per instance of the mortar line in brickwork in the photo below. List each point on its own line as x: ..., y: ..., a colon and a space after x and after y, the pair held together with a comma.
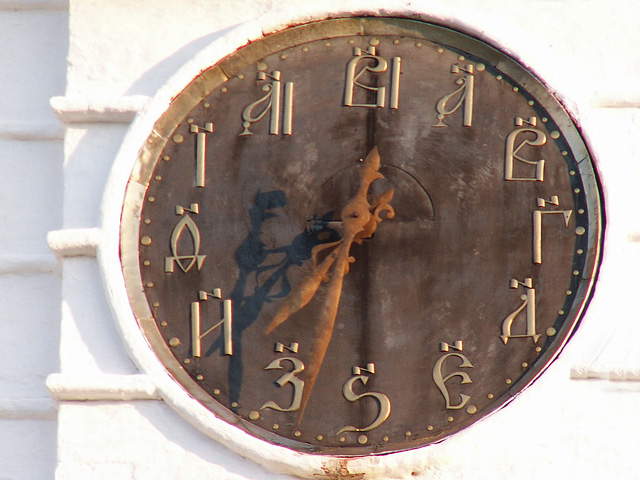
x: 615, y: 103
x: 616, y: 374
x: 39, y: 408
x: 30, y: 5
x: 31, y: 131
x: 28, y: 264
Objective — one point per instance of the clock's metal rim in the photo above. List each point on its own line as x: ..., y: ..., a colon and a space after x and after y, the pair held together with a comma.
x: 368, y: 26
x: 218, y: 74
x: 213, y: 78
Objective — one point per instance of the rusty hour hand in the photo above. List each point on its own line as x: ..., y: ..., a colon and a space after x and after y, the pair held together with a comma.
x: 360, y: 219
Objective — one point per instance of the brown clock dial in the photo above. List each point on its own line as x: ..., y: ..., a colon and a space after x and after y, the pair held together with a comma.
x: 361, y: 235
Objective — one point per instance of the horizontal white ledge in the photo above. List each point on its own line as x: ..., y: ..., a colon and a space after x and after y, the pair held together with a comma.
x: 25, y: 264
x: 65, y: 387
x: 76, y: 242
x: 633, y: 237
x: 31, y: 131
x: 27, y: 409
x: 617, y: 374
x: 17, y: 5
x: 622, y: 101
x: 70, y: 110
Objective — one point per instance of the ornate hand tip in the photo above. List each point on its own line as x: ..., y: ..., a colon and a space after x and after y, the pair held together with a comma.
x: 276, y: 321
x: 387, y: 195
x: 288, y: 308
x: 372, y: 160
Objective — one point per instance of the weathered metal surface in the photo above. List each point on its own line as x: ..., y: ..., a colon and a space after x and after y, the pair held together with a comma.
x: 448, y: 300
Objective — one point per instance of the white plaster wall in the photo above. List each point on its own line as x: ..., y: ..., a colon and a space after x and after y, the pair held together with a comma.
x: 33, y: 49
x: 100, y: 59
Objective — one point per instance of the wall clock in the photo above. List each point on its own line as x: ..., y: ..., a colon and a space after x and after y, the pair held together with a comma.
x: 360, y: 235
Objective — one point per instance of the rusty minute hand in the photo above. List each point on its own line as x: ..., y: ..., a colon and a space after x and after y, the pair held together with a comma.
x: 359, y: 223
x: 306, y: 289
x: 355, y: 216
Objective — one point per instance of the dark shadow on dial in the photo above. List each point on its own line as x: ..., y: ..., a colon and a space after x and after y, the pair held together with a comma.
x: 268, y: 269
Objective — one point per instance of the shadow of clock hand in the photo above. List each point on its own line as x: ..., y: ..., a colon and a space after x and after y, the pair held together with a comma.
x: 268, y: 269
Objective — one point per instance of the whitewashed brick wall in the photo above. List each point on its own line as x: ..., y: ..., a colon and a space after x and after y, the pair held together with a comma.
x: 33, y: 49
x: 72, y: 77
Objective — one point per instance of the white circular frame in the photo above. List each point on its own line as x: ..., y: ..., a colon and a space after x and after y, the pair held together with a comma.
x: 275, y: 458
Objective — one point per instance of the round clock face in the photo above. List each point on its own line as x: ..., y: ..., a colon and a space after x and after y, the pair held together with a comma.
x: 360, y: 235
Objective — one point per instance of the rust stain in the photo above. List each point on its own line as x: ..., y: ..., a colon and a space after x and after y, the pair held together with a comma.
x: 339, y: 470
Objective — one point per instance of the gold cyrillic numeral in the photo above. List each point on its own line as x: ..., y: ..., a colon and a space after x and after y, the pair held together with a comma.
x: 440, y: 381
x: 353, y: 79
x: 201, y: 151
x: 465, y: 90
x: 528, y: 302
x: 512, y: 153
x: 226, y: 323
x: 186, y: 222
x: 278, y: 101
x: 537, y: 224
x: 289, y: 377
x: 383, y: 401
